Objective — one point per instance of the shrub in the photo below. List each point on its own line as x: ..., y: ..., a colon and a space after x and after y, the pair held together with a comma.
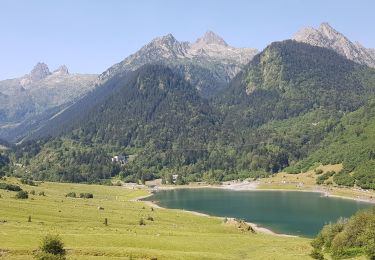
x: 22, y: 195
x: 86, y: 195
x: 27, y: 182
x: 150, y: 218
x: 317, y: 254
x: 318, y: 171
x: 349, y: 238
x: 324, y: 177
x: 142, y: 222
x: 71, y: 194
x: 32, y: 192
x: 10, y: 187
x: 42, y: 193
x: 52, y: 244
x: 344, y: 179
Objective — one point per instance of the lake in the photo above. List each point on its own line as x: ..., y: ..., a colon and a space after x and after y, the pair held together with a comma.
x: 286, y: 212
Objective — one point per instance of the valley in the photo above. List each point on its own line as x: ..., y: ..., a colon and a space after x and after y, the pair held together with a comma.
x: 189, y: 149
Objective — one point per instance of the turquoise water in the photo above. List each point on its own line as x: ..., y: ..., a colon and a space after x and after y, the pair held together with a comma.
x: 286, y: 212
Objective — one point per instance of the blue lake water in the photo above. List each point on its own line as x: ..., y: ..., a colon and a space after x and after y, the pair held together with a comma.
x: 286, y: 212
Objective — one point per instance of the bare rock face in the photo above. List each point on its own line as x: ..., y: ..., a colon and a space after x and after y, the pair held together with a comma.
x: 211, y: 38
x: 40, y: 71
x: 209, y: 63
x: 327, y: 37
x: 62, y: 70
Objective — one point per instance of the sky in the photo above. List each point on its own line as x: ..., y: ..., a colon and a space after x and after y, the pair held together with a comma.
x: 91, y: 35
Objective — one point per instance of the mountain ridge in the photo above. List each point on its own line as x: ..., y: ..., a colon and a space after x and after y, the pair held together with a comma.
x: 328, y: 37
x: 209, y: 63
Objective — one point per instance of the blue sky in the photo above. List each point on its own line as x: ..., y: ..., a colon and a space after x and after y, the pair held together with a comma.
x: 91, y: 35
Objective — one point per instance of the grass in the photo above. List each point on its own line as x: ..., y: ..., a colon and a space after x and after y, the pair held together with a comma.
x: 172, y: 235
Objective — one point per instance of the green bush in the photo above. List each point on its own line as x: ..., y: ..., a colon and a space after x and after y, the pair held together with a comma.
x: 71, y: 195
x: 10, y: 187
x: 317, y: 254
x: 22, y: 195
x: 324, y: 177
x: 349, y: 238
x: 344, y: 179
x: 86, y: 195
x: 28, y: 182
x: 52, y: 244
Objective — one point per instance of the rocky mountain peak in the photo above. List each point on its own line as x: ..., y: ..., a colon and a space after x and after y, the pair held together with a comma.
x: 63, y: 70
x: 208, y: 64
x: 327, y: 37
x: 329, y: 31
x: 40, y: 71
x: 211, y: 38
x: 166, y: 40
x: 326, y: 26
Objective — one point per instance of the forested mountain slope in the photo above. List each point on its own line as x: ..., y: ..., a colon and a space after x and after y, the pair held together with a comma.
x: 289, y: 78
x: 152, y: 108
x: 351, y: 142
x: 281, y: 109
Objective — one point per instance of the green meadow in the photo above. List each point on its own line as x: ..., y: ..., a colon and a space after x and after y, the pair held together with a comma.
x: 172, y: 234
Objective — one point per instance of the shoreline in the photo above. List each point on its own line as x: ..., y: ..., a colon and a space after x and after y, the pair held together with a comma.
x: 241, y: 186
x: 253, y: 186
x: 255, y: 226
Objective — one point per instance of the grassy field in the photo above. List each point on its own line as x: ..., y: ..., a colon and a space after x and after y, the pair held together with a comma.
x: 172, y: 235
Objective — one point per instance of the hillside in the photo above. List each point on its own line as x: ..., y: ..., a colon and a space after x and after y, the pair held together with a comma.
x: 352, y: 143
x: 290, y: 78
x: 306, y: 89
x: 152, y: 109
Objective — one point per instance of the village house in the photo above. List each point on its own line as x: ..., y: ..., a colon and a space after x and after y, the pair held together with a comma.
x: 122, y: 159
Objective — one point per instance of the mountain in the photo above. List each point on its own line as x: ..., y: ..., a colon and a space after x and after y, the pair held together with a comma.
x: 327, y: 37
x: 38, y: 94
x: 295, y: 102
x: 208, y: 64
x: 290, y: 101
x: 289, y: 78
x: 152, y: 108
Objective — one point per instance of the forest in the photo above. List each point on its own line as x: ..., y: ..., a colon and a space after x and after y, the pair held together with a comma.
x: 293, y: 107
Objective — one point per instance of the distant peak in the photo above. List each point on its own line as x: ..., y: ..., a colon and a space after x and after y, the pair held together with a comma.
x: 40, y: 71
x: 169, y: 36
x: 211, y: 38
x: 325, y: 25
x: 166, y: 39
x: 326, y: 28
x: 62, y: 70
